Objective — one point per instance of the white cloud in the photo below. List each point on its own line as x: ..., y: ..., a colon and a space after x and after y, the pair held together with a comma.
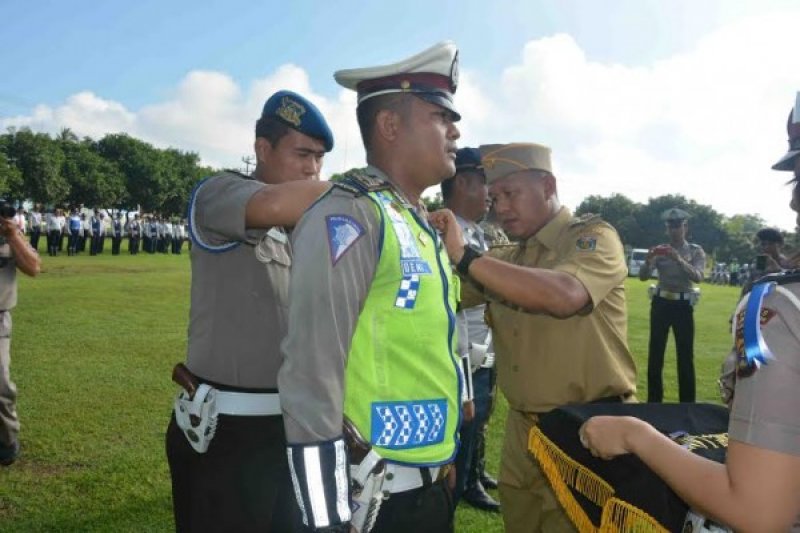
x: 706, y: 123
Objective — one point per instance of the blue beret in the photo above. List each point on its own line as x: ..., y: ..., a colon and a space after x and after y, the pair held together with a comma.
x: 299, y: 114
x: 468, y: 159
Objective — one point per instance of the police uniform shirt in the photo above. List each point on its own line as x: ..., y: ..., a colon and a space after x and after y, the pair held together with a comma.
x: 674, y: 277
x: 322, y: 322
x: 238, y: 297
x: 53, y: 223
x: 544, y: 362
x: 765, y: 408
x: 35, y: 221
x: 8, y: 276
x: 764, y: 412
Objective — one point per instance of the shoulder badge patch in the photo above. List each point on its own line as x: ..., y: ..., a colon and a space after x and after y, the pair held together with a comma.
x: 343, y: 232
x: 586, y: 244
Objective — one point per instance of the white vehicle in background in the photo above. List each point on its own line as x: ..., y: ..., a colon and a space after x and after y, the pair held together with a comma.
x: 636, y: 259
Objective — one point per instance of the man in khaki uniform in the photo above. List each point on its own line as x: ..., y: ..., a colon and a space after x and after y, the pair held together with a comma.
x: 556, y: 305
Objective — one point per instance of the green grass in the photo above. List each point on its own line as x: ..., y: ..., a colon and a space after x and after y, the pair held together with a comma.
x: 95, y: 339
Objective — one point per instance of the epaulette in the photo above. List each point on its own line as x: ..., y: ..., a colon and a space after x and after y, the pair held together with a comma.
x: 238, y: 173
x: 587, y: 219
x: 495, y: 246
x: 358, y: 182
x: 782, y: 278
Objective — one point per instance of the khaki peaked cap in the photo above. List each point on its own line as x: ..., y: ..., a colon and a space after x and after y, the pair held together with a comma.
x: 500, y: 160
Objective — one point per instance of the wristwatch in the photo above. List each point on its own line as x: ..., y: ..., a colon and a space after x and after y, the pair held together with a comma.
x: 470, y: 254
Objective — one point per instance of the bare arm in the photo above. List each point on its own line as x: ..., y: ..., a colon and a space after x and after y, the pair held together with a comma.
x: 26, y: 258
x: 536, y: 290
x: 284, y: 204
x: 755, y: 490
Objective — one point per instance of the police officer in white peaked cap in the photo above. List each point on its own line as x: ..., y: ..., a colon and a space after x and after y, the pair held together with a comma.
x: 370, y: 355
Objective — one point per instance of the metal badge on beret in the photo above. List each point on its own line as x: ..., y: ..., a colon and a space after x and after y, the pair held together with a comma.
x: 291, y: 111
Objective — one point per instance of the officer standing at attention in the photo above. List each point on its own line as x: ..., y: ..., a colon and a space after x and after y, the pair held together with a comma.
x: 35, y: 226
x: 225, y: 442
x: 116, y: 234
x: 556, y: 306
x: 371, y: 340
x: 134, y: 234
x: 465, y: 194
x: 679, y: 264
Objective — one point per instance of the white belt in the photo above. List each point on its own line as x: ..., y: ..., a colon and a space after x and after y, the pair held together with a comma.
x: 402, y: 478
x: 668, y: 295
x: 247, y: 403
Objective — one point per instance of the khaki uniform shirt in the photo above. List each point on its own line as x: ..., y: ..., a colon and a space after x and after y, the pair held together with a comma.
x: 544, y: 362
x: 240, y: 284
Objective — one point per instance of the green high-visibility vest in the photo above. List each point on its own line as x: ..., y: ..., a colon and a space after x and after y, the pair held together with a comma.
x: 403, y: 389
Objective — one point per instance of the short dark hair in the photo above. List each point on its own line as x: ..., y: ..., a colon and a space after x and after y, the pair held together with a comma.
x: 271, y: 129
x: 449, y: 184
x: 368, y: 110
x: 769, y: 235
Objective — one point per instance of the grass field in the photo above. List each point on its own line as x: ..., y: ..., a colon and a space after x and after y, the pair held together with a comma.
x: 95, y: 339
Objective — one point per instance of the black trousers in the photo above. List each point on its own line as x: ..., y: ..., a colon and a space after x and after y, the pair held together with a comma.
x: 53, y: 238
x: 240, y: 484
x: 133, y: 245
x: 470, y: 460
x: 423, y: 510
x: 678, y: 315
x: 35, y: 234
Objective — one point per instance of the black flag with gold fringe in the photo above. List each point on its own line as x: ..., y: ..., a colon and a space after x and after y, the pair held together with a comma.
x: 623, y: 494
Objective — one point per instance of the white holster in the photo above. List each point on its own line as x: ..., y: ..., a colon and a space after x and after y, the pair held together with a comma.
x: 477, y: 355
x: 697, y: 523
x: 197, y: 417
x: 651, y: 291
x: 694, y: 297
x: 367, y: 496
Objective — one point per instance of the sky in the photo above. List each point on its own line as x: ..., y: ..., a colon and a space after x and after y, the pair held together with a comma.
x: 637, y: 97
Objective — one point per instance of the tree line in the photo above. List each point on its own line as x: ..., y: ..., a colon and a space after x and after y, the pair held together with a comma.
x: 722, y: 237
x: 118, y: 172
x: 122, y: 172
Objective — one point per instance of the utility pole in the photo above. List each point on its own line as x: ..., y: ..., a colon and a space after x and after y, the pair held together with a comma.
x: 247, y: 160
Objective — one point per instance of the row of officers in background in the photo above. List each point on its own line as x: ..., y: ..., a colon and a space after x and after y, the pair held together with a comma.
x: 79, y: 229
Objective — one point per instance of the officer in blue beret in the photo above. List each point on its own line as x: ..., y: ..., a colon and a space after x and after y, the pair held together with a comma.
x: 225, y: 441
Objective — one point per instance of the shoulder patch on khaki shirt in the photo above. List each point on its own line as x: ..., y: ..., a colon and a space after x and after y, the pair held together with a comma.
x: 586, y: 243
